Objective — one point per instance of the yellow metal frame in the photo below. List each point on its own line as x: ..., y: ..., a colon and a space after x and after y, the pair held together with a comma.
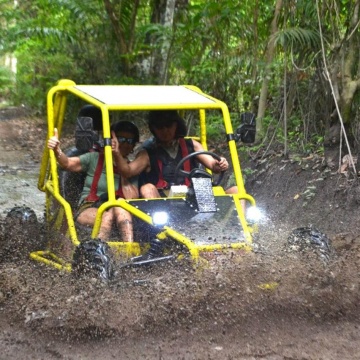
x: 48, y: 178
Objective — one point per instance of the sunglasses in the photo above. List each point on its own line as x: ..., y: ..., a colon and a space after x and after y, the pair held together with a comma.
x: 122, y: 140
x: 160, y: 126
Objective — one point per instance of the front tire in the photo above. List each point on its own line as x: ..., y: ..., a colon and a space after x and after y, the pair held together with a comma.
x: 92, y: 258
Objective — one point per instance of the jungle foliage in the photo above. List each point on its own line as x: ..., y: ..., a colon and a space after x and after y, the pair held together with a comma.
x: 295, y: 63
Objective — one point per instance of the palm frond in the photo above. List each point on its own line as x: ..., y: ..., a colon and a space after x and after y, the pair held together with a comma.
x: 298, y: 38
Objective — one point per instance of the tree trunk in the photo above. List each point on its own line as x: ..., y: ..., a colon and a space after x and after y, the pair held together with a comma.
x: 125, y: 45
x: 350, y: 74
x: 269, y: 55
x: 345, y: 78
x: 168, y: 20
x: 155, y: 66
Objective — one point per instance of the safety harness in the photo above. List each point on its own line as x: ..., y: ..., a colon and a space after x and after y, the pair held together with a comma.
x: 93, y: 189
x: 163, y: 184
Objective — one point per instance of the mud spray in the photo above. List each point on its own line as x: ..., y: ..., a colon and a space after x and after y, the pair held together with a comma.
x: 223, y: 295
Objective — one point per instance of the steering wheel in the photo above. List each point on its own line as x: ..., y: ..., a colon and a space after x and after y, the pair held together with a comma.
x: 187, y: 174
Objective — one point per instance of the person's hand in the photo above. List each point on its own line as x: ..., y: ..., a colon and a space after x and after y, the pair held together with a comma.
x: 53, y: 142
x: 115, y: 146
x: 221, y: 165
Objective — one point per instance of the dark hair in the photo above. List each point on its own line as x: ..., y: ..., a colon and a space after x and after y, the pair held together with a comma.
x: 126, y: 126
x: 169, y: 116
x: 94, y: 113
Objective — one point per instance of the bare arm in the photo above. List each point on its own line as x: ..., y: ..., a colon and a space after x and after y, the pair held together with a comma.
x: 67, y: 163
x: 129, y: 169
x: 208, y: 161
x: 130, y: 191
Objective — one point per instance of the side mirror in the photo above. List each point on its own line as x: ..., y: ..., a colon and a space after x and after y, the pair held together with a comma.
x: 247, y: 129
x: 85, y: 136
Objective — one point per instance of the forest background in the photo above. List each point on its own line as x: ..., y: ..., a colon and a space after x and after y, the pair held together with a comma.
x: 293, y: 63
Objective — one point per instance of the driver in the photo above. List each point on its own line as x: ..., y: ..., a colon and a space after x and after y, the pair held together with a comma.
x: 158, y: 160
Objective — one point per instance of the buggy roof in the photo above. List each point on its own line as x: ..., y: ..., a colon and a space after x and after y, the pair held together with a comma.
x: 146, y: 96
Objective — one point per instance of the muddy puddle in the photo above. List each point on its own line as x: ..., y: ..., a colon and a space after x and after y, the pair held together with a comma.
x: 212, y: 310
x: 19, y: 188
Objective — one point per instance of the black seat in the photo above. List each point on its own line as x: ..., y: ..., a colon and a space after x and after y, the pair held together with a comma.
x: 88, y: 126
x: 71, y: 183
x: 247, y: 130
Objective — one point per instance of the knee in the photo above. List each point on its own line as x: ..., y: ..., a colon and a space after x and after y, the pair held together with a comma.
x: 121, y: 214
x: 147, y: 190
x: 108, y: 216
x: 232, y: 190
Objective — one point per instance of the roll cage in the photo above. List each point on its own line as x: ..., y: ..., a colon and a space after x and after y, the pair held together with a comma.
x: 113, y: 98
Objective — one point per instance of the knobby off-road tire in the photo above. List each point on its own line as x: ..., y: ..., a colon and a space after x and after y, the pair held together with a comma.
x: 310, y: 239
x: 21, y: 234
x: 91, y: 258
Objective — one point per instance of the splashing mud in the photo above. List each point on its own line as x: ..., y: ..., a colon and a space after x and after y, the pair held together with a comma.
x: 274, y: 303
x: 233, y: 302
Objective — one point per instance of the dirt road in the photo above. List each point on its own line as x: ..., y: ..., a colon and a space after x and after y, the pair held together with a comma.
x: 273, y: 304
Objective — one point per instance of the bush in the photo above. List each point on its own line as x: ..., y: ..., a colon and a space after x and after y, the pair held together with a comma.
x: 6, y: 83
x: 37, y: 71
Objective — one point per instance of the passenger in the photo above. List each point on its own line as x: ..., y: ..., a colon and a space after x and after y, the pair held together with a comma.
x: 157, y: 162
x: 95, y: 188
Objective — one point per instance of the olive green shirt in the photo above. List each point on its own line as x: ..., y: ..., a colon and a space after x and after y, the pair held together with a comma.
x: 88, y: 165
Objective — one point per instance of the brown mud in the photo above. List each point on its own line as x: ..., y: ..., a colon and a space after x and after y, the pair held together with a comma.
x: 271, y: 304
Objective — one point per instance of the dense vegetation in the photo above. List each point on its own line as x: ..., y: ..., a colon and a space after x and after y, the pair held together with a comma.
x: 295, y: 63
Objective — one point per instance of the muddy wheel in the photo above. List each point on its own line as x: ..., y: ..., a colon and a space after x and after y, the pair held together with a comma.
x: 310, y: 239
x: 21, y: 234
x: 92, y: 258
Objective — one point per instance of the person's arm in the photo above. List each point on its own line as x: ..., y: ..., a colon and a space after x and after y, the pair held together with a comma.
x: 208, y: 161
x: 129, y: 189
x: 129, y: 169
x: 67, y: 163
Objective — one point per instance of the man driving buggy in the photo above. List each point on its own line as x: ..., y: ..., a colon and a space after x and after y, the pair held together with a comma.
x: 157, y: 162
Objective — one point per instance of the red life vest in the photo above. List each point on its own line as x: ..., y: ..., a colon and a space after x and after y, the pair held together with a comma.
x: 163, y: 184
x: 93, y: 189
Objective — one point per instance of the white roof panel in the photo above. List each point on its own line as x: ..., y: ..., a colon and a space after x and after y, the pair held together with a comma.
x: 123, y: 95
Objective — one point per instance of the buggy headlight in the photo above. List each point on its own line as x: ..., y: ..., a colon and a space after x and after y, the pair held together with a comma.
x: 253, y: 214
x: 160, y: 218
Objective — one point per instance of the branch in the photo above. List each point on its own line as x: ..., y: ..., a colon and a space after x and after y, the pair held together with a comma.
x: 332, y: 88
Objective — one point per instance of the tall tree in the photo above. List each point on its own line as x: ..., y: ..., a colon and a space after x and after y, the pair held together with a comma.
x: 123, y: 15
x: 269, y: 56
x: 345, y: 58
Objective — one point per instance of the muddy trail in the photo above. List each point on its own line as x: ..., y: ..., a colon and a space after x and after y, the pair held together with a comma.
x: 275, y: 303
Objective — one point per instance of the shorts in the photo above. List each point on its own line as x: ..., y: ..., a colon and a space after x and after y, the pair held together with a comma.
x: 86, y: 205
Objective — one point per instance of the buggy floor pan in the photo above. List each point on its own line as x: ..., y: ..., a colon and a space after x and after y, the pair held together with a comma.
x: 221, y: 227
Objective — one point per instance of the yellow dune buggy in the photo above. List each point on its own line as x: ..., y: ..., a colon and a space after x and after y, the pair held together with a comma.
x: 192, y: 222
